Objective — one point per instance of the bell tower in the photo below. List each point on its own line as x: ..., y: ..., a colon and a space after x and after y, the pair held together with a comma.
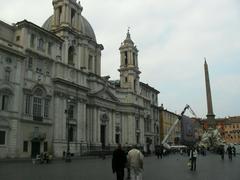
x: 129, y: 72
x: 66, y: 14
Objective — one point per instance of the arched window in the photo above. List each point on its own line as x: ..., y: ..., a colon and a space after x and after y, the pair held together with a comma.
x: 37, y: 104
x: 7, y: 74
x: 60, y: 15
x: 126, y: 58
x: 73, y: 12
x: 5, y: 102
x: 71, y: 55
x: 40, y: 44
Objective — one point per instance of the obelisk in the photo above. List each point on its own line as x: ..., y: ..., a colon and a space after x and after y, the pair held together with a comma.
x: 210, y: 114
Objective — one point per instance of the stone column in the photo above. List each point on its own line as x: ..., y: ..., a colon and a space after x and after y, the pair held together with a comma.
x: 83, y: 122
x: 77, y: 56
x: 129, y: 58
x: 122, y: 59
x: 110, y: 128
x: 81, y: 52
x: 78, y: 21
x: 59, y: 117
x: 94, y: 125
x: 79, y: 122
x: 113, y: 127
x: 66, y: 51
x: 86, y: 57
x: 99, y: 64
x: 67, y: 14
x: 63, y: 19
x: 64, y: 121
x: 210, y: 115
x: 93, y: 65
x: 57, y: 16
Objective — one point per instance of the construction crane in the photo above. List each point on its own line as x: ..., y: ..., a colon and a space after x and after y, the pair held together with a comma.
x: 167, y: 146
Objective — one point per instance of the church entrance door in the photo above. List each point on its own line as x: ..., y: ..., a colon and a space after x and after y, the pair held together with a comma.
x: 35, y: 148
x: 103, y: 135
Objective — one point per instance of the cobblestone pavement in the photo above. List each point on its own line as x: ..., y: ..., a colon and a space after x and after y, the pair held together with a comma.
x: 172, y: 167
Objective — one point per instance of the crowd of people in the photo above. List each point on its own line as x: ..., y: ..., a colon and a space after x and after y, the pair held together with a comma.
x: 43, y: 157
x: 132, y: 159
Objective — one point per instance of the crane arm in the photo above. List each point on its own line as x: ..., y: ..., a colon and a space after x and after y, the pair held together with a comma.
x: 174, y: 125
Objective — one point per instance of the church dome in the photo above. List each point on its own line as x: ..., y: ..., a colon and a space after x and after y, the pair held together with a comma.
x: 85, y: 28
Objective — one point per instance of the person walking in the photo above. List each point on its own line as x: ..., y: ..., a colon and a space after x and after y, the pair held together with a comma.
x: 158, y: 152
x: 229, y: 151
x: 193, y: 158
x: 119, y: 161
x: 234, y: 150
x: 222, y: 152
x: 135, y: 162
x: 161, y: 151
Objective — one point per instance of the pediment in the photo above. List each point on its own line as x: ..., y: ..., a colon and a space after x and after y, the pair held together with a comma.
x: 105, y: 93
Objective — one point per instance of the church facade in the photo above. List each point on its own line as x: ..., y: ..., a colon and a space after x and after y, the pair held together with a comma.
x: 52, y: 91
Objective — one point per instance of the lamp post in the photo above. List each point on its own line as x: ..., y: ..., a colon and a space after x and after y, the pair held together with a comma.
x: 68, y: 155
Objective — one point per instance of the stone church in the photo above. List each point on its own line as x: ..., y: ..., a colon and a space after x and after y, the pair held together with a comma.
x: 52, y: 93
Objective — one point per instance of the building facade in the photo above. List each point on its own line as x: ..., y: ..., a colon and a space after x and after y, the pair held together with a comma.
x: 231, y: 130
x: 52, y: 91
x: 167, y: 119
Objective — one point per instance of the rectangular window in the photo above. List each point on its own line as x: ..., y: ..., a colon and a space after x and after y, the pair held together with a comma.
x: 46, y: 108
x: 28, y: 104
x: 2, y: 137
x: 71, y: 111
x: 25, y: 146
x: 32, y: 41
x: 40, y: 44
x: 37, y: 108
x: 17, y: 38
x: 49, y: 48
x: 7, y: 75
x: 45, y: 146
x: 117, y: 138
x: 30, y: 63
x: 126, y: 57
x: 137, y: 123
x: 90, y: 63
x: 138, y: 138
x: 5, y: 102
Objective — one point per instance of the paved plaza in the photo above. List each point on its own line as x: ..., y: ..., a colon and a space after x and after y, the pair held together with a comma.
x: 172, y: 167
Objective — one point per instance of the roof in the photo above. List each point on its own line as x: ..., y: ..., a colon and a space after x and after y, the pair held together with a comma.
x: 149, y: 87
x: 85, y: 27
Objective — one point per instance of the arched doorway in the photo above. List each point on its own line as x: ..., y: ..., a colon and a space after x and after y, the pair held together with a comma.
x: 103, y: 127
x: 103, y: 135
x: 35, y: 148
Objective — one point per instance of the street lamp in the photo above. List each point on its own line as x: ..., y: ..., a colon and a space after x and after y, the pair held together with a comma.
x: 68, y: 155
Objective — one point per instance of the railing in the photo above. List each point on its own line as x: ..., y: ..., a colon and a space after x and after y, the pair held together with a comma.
x: 37, y: 118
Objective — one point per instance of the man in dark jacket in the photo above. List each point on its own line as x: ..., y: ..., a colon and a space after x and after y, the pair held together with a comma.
x: 229, y: 150
x: 119, y: 161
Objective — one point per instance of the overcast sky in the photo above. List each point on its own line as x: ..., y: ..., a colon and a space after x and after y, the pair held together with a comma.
x: 172, y: 36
